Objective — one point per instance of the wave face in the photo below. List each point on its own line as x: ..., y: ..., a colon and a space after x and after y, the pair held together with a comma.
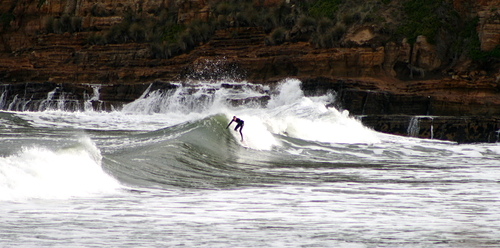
x: 166, y: 171
x: 178, y: 138
x: 196, y: 150
x: 171, y: 138
x: 287, y: 112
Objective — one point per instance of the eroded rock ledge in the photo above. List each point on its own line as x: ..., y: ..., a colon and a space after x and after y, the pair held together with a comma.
x: 384, y: 82
x: 462, y: 120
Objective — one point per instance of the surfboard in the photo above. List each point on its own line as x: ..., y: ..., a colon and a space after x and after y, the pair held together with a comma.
x: 243, y: 143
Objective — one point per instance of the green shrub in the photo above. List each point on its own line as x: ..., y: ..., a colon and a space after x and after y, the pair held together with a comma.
x: 100, y: 10
x: 368, y: 18
x: 224, y: 8
x: 251, y: 17
x: 158, y: 51
x: 137, y: 32
x: 351, y: 18
x: 40, y: 3
x: 268, y: 22
x: 281, y: 13
x: 76, y: 24
x: 306, y: 23
x: 57, y: 27
x: 422, y: 19
x: 172, y: 33
x: 49, y: 23
x: 186, y: 40
x: 338, y: 31
x: 234, y: 35
x: 323, y: 25
x: 65, y: 23
x: 330, y: 37
x: 242, y: 20
x: 118, y: 33
x: 165, y: 16
x: 205, y: 31
x: 6, y: 18
x: 96, y: 39
x: 325, y: 8
x: 222, y: 22
x: 276, y: 37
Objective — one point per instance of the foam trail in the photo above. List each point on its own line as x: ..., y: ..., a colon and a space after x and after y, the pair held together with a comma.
x: 40, y: 173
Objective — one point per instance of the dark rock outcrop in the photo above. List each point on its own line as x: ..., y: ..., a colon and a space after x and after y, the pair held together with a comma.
x: 72, y: 97
x: 379, y: 80
x: 460, y: 129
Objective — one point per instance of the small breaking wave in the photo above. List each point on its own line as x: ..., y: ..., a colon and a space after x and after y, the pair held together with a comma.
x: 41, y: 173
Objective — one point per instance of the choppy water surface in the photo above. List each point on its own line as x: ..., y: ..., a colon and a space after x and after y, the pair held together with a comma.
x: 165, y: 171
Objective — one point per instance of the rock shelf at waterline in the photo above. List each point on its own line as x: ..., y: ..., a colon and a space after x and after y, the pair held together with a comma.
x: 401, y: 114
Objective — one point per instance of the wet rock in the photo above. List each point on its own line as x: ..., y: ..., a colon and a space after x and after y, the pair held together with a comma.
x: 260, y: 101
x: 459, y: 129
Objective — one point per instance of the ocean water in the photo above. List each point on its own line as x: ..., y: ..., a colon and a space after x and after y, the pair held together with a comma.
x: 165, y: 172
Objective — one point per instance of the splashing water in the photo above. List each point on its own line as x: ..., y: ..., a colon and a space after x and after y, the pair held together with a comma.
x: 37, y: 172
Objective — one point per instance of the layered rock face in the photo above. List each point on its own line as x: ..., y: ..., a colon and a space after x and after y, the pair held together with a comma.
x: 489, y: 24
x: 371, y: 78
x: 460, y: 129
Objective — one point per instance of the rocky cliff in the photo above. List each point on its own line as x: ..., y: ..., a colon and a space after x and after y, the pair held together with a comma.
x: 375, y: 70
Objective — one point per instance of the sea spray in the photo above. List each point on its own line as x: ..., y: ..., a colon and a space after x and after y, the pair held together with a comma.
x: 41, y: 173
x: 288, y: 92
x: 309, y: 118
x: 45, y: 103
x: 94, y: 98
x: 288, y: 112
x: 3, y: 99
x: 413, y: 127
x: 256, y: 135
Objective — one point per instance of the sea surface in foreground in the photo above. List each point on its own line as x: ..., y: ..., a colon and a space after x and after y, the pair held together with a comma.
x: 164, y: 171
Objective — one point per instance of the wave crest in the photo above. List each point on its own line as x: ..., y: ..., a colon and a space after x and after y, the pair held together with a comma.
x: 41, y: 173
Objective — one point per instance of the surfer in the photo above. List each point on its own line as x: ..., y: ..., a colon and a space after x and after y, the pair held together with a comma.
x: 239, y: 125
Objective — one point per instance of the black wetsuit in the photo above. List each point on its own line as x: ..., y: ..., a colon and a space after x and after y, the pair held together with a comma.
x: 239, y: 124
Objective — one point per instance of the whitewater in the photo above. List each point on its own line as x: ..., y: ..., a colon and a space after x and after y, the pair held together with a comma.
x: 164, y: 171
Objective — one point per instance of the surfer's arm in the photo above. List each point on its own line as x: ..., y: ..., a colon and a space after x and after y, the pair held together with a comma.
x: 229, y: 123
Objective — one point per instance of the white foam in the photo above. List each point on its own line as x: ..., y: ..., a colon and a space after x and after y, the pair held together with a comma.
x: 292, y: 114
x: 495, y: 148
x: 344, y: 130
x: 288, y: 112
x: 255, y: 134
x: 289, y: 92
x: 41, y: 173
x: 308, y: 118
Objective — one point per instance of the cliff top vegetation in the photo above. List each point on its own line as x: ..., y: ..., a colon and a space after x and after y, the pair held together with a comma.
x: 170, y: 28
x: 323, y: 23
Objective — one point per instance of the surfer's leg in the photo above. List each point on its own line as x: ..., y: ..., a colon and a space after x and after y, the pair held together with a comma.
x: 241, y: 128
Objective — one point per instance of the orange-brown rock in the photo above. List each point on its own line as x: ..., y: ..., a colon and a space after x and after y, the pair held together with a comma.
x: 192, y: 9
x: 488, y: 12
x: 489, y: 29
x: 360, y: 35
x: 424, y: 55
x: 411, y: 76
